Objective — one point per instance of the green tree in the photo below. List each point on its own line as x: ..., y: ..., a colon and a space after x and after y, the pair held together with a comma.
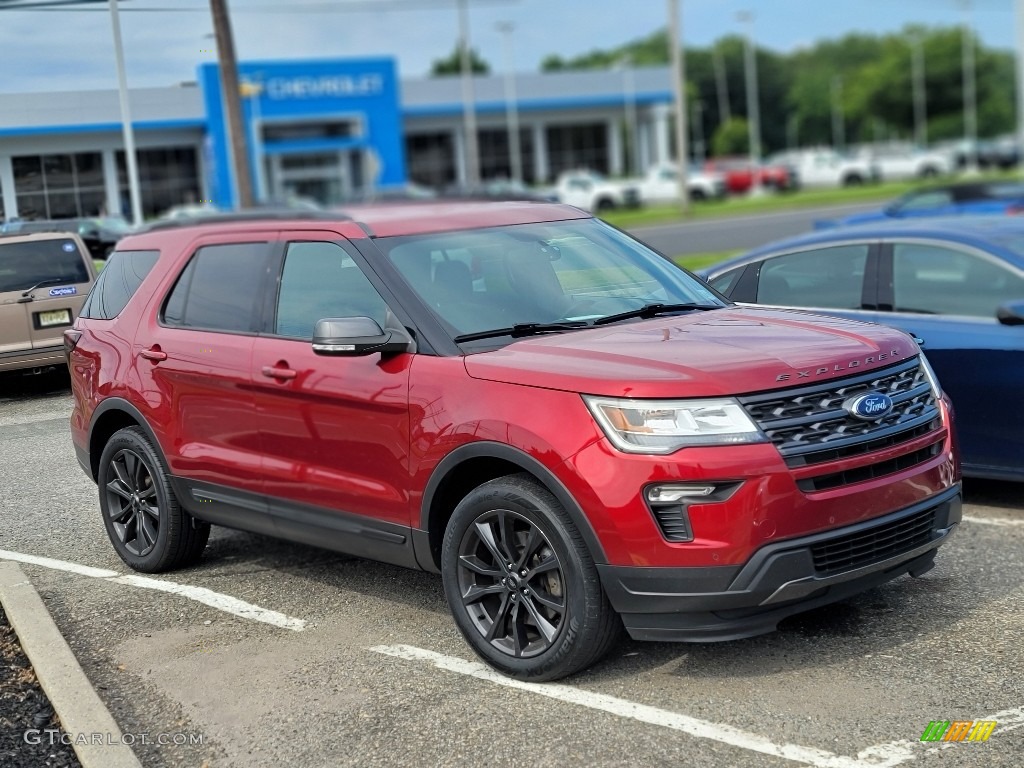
x: 731, y: 137
x: 452, y: 63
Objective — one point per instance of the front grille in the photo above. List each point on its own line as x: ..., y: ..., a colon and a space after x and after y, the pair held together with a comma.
x: 855, y: 550
x: 869, y: 471
x: 809, y: 424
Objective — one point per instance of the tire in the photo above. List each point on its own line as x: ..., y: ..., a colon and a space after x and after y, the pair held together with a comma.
x: 552, y: 622
x: 148, y: 538
x: 929, y: 172
x: 697, y: 195
x: 852, y: 180
x: 604, y: 204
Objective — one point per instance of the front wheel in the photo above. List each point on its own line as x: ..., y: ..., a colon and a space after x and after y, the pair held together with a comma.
x: 521, y: 584
x: 148, y: 528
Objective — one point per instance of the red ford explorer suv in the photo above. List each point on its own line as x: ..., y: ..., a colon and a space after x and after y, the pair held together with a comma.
x: 577, y: 434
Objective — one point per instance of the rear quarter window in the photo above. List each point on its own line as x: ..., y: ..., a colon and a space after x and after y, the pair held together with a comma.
x: 118, y: 282
x: 53, y: 262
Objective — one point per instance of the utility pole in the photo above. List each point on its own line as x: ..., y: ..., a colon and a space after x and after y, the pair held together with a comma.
x: 699, y: 149
x: 232, y: 101
x: 1020, y: 77
x: 721, y: 85
x: 511, y: 105
x: 970, y: 98
x: 838, y: 122
x: 629, y: 95
x: 920, y: 94
x: 679, y: 90
x: 753, y: 102
x: 131, y: 163
x: 468, y: 103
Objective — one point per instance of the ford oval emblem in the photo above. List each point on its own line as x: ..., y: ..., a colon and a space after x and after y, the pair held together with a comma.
x: 869, y: 407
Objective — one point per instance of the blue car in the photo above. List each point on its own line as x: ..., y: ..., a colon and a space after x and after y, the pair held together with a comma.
x: 955, y: 284
x: 976, y: 198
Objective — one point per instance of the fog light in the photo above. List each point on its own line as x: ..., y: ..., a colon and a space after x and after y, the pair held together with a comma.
x: 668, y: 494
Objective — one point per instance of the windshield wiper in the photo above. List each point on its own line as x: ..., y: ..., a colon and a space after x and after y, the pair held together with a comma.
x: 653, y: 310
x: 51, y: 281
x: 522, y: 329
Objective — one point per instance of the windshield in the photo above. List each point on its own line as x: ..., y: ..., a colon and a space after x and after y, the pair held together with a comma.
x: 25, y: 264
x: 565, y: 271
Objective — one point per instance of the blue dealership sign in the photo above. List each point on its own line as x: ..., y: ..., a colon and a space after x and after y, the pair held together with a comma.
x: 309, y: 107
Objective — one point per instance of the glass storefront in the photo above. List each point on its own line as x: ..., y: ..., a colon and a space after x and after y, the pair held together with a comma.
x: 578, y: 146
x: 431, y: 158
x: 168, y: 176
x: 59, y: 186
x: 496, y: 156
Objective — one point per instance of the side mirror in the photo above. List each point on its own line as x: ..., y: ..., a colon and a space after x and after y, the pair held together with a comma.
x: 1011, y: 313
x: 356, y: 336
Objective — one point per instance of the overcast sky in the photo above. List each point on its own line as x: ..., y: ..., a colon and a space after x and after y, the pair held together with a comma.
x: 68, y: 50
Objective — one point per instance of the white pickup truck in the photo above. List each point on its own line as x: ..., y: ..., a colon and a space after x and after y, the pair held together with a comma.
x: 593, y: 192
x: 661, y: 185
x: 828, y: 168
x: 905, y: 163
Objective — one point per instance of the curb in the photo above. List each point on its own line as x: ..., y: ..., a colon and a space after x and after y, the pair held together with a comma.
x: 82, y: 714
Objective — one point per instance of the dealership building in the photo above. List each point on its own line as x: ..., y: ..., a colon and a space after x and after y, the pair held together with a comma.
x: 324, y: 129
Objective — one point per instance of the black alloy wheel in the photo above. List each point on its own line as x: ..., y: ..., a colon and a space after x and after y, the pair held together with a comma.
x: 521, y: 583
x: 132, y: 504
x: 149, y: 529
x: 512, y: 584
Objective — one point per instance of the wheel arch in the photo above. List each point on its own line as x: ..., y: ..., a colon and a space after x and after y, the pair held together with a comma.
x: 467, y: 467
x: 111, y: 415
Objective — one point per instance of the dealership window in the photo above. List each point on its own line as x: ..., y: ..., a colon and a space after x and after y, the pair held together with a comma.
x: 168, y: 176
x: 431, y: 158
x: 571, y: 147
x: 58, y: 186
x: 496, y: 157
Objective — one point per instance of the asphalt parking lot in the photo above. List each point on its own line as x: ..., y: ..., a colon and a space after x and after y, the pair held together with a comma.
x: 271, y: 654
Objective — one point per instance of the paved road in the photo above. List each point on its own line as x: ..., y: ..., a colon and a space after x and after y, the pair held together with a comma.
x: 861, y: 678
x: 737, y: 232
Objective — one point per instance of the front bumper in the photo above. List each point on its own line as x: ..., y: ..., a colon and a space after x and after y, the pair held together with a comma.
x: 780, y: 579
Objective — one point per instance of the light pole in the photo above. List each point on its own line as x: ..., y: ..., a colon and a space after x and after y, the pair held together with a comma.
x: 1020, y: 78
x: 838, y: 123
x: 228, y: 65
x: 920, y: 95
x: 468, y: 104
x: 679, y: 91
x: 127, y: 131
x: 721, y: 85
x: 252, y: 90
x: 511, y: 105
x: 753, y: 103
x: 970, y: 98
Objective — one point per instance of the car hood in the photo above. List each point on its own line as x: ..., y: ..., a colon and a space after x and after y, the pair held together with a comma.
x: 722, y: 352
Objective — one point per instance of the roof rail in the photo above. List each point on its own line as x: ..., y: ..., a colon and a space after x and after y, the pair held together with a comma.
x: 256, y: 214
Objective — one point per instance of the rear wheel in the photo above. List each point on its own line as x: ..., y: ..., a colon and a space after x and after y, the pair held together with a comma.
x: 852, y: 180
x: 521, y: 585
x: 605, y: 204
x: 148, y: 528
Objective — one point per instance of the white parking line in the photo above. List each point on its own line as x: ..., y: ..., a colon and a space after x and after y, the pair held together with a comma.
x: 1000, y: 521
x: 221, y: 602
x: 882, y: 756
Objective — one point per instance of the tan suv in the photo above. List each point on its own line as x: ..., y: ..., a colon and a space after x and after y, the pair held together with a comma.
x: 44, y: 279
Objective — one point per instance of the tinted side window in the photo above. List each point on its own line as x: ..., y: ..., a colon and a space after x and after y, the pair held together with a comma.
x: 944, y: 281
x: 725, y: 282
x: 118, y: 282
x: 831, y: 278
x: 321, y: 280
x: 219, y: 290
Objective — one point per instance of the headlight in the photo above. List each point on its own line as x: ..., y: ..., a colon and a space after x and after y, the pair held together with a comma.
x: 664, y: 426
x: 930, y: 375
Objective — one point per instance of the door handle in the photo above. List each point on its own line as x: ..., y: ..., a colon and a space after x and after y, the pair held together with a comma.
x: 153, y: 353
x: 281, y: 374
